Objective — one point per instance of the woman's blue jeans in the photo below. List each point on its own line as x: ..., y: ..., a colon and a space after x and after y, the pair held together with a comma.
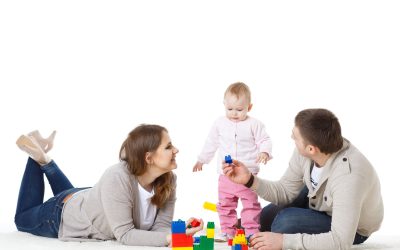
x: 33, y: 215
x: 297, y: 217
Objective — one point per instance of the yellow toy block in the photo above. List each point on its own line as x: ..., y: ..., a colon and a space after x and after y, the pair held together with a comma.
x: 210, y: 206
x: 239, y: 239
x: 210, y: 233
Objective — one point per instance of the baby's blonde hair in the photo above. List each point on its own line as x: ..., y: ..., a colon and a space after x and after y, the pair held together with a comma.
x: 239, y: 89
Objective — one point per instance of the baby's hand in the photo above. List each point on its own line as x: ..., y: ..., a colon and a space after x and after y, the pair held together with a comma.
x: 198, y: 167
x: 262, y: 158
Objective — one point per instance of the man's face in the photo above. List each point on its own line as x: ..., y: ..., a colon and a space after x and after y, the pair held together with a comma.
x: 299, y: 142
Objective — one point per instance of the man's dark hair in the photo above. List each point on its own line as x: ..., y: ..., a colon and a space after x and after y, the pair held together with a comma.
x: 320, y: 128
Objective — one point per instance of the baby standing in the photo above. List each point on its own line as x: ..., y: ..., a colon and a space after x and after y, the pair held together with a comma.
x: 245, y: 139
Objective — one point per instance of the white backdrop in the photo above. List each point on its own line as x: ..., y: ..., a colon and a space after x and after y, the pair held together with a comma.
x: 93, y: 70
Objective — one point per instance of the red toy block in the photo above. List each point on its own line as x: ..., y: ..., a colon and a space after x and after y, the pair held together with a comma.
x: 195, y: 223
x: 182, y: 240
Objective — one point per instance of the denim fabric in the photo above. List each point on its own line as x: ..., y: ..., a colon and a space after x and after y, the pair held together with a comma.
x: 32, y: 214
x: 297, y: 217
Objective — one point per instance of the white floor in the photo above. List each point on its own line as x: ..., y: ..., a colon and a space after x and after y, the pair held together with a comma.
x: 22, y: 241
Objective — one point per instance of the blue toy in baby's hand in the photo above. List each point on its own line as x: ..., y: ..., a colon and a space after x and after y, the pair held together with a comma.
x: 228, y: 159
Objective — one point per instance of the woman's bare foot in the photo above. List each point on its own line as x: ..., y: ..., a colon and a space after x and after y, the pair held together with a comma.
x: 45, y: 143
x: 32, y: 147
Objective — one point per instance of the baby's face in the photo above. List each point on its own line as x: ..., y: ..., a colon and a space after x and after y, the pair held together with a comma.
x: 236, y: 108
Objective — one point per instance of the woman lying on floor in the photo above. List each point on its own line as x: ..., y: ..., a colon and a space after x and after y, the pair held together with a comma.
x: 133, y: 202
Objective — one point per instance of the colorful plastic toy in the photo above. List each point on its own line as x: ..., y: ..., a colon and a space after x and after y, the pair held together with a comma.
x: 194, y: 223
x: 206, y: 242
x: 181, y: 241
x: 228, y: 159
x: 239, y: 242
x: 210, y: 206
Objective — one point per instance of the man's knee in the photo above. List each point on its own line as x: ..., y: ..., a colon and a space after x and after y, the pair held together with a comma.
x: 285, y: 222
x: 267, y: 216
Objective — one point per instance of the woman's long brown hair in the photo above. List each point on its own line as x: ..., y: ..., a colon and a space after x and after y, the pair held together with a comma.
x: 146, y: 138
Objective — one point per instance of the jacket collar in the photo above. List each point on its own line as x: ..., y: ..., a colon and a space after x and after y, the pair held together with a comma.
x: 328, y: 168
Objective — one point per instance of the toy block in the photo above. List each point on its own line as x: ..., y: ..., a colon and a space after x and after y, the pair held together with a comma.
x: 248, y: 238
x: 206, y: 243
x: 228, y: 159
x: 240, y: 247
x: 210, y: 229
x: 198, y: 247
x: 182, y: 248
x: 209, y: 242
x: 239, y: 239
x: 178, y: 227
x: 210, y: 233
x: 182, y: 240
x: 210, y: 206
x: 194, y: 223
x: 239, y: 242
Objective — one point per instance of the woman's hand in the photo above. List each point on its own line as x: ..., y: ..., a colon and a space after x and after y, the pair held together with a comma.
x: 236, y: 172
x: 189, y: 229
x: 169, y: 240
x: 192, y: 230
x: 266, y: 241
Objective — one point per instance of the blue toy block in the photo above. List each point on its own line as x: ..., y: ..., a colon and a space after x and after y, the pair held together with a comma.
x: 236, y: 247
x: 228, y: 159
x: 248, y: 238
x: 178, y: 227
